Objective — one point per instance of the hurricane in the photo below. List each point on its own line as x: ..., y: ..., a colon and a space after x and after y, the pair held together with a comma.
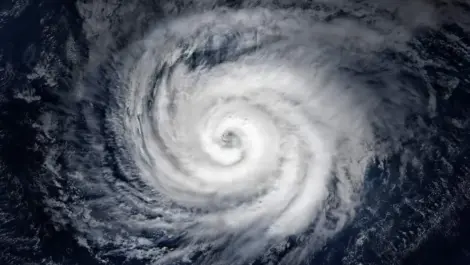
x: 260, y: 134
x: 242, y: 128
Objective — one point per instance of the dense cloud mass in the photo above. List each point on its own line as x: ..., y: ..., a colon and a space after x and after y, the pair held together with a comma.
x: 267, y: 132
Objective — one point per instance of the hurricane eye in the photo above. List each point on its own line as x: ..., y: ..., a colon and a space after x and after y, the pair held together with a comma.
x: 230, y: 140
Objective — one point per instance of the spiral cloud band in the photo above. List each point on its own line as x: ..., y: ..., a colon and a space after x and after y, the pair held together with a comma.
x: 235, y: 130
x: 256, y: 140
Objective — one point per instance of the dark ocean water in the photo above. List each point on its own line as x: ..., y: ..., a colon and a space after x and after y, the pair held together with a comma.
x: 35, y: 69
x: 28, y: 235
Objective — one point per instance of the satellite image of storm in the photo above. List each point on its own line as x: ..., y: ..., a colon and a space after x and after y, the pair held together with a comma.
x: 230, y: 132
